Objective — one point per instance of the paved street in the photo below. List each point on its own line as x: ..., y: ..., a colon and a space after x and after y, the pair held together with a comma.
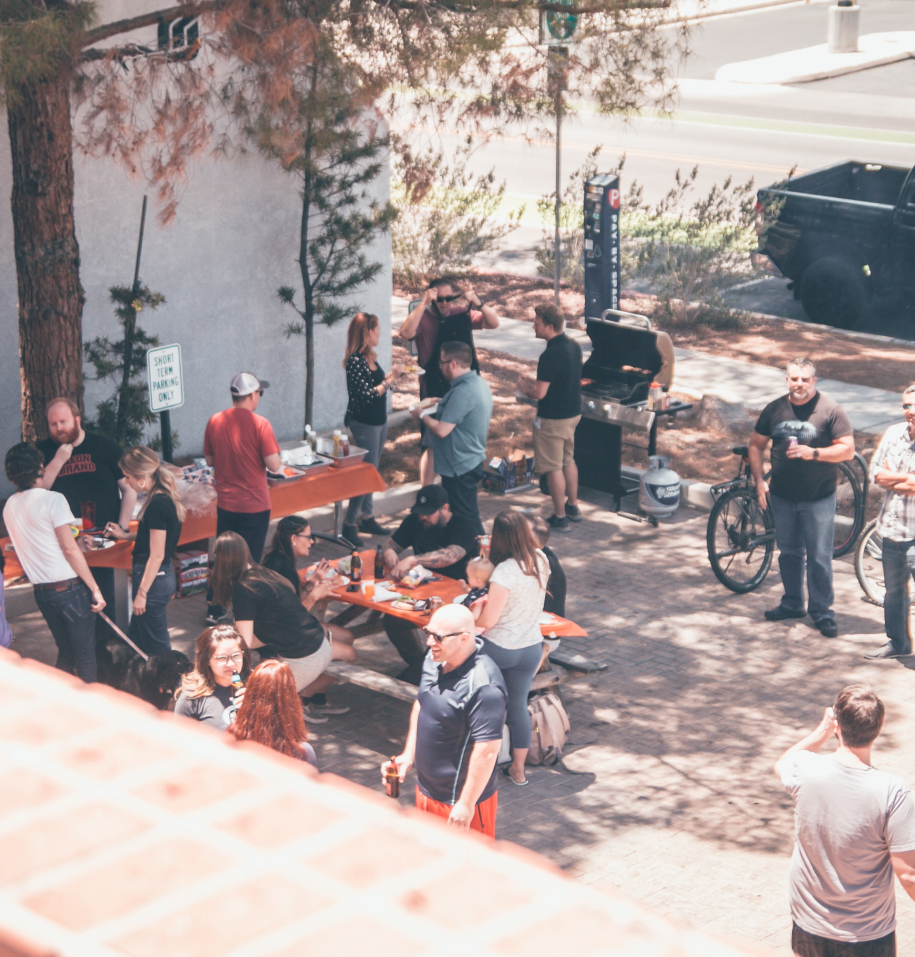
x: 676, y: 805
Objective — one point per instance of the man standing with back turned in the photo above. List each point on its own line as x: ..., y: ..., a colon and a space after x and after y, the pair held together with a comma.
x: 241, y: 446
x: 810, y: 435
x: 854, y: 827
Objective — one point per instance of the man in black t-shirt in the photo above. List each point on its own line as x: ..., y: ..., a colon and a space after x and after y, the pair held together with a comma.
x: 440, y: 541
x: 83, y: 467
x: 557, y: 389
x: 456, y: 726
x: 810, y: 434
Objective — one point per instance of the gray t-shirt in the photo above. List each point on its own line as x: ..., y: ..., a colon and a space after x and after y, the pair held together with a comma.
x: 208, y: 709
x: 847, y: 822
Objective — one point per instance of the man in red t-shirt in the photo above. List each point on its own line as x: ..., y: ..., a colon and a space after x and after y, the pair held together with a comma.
x: 240, y: 445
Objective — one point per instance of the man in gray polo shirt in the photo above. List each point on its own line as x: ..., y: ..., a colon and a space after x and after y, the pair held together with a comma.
x: 459, y: 428
x: 854, y: 827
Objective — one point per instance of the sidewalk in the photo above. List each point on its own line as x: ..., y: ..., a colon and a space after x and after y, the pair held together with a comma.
x: 698, y: 374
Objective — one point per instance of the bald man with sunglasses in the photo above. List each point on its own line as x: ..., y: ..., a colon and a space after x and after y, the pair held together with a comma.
x: 456, y: 726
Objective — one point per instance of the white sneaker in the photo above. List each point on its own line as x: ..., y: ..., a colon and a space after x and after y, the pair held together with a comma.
x: 326, y: 708
x: 312, y: 718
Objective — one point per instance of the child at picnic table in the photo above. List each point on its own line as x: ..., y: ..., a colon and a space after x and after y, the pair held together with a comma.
x: 479, y: 571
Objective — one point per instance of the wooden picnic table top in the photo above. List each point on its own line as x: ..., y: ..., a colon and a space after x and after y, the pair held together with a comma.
x: 447, y: 589
x: 286, y: 498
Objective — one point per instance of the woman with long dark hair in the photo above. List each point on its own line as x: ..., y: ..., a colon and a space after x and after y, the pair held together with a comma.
x: 271, y: 714
x: 153, y: 575
x: 206, y: 692
x: 270, y: 615
x: 366, y: 413
x: 511, y: 619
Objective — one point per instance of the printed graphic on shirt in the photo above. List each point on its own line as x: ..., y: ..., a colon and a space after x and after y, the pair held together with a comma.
x: 76, y: 464
x: 795, y: 429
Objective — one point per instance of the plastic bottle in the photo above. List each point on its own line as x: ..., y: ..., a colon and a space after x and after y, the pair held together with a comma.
x: 337, y: 443
x: 344, y: 440
x: 654, y: 395
x: 379, y: 563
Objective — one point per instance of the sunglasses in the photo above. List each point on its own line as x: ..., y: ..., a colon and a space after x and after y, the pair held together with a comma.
x: 301, y: 535
x: 451, y: 298
x: 438, y: 639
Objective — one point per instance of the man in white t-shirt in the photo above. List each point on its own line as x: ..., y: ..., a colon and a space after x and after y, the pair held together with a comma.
x: 38, y: 522
x: 855, y: 827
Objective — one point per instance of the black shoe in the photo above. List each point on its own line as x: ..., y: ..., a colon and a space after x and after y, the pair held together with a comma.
x: 559, y: 523
x: 780, y: 614
x: 216, y: 614
x: 887, y: 651
x: 351, y: 534
x: 544, y: 484
x: 368, y: 526
x: 573, y: 513
x: 828, y: 628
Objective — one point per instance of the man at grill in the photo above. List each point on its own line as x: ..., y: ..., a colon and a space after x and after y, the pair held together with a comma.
x: 557, y: 389
x: 893, y: 469
x: 810, y: 434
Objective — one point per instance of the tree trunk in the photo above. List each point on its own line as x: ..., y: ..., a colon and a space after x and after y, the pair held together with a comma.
x: 47, y: 254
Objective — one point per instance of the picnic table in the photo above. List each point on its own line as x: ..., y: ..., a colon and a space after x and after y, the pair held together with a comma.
x: 286, y: 498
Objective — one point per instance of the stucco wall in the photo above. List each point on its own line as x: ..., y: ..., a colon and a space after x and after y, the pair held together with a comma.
x: 233, y: 243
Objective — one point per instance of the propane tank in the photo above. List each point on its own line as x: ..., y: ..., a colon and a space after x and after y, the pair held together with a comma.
x: 659, y: 489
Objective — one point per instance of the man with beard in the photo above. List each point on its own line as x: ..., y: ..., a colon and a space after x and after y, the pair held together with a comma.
x: 83, y: 467
x: 443, y: 315
x: 439, y: 541
x: 810, y: 435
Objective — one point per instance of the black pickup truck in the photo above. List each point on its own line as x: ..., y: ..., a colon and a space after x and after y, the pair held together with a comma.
x: 845, y: 236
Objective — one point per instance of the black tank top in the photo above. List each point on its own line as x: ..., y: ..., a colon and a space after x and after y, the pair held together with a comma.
x: 456, y: 328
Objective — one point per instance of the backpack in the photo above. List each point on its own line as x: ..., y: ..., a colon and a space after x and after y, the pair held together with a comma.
x: 549, y: 731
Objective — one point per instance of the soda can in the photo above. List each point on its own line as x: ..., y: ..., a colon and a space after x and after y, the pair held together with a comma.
x: 435, y: 603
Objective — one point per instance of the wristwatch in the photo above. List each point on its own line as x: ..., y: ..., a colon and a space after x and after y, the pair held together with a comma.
x: 816, y: 454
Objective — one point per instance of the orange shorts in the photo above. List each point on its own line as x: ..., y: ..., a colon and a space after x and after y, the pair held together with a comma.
x: 484, y: 815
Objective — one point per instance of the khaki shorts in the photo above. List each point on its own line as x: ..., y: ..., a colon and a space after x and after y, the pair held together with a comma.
x: 307, y: 670
x: 554, y: 444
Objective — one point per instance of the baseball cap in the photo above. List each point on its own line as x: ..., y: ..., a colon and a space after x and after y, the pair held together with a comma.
x: 429, y: 499
x: 245, y: 383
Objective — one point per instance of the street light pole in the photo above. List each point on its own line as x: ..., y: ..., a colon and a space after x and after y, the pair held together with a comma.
x: 558, y: 246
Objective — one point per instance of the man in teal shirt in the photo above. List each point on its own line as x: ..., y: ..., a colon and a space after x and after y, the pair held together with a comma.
x: 459, y: 428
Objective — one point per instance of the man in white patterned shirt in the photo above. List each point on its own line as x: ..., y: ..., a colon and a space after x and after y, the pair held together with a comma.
x: 893, y: 469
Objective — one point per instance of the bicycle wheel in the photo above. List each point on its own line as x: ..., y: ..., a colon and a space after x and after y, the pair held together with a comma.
x: 849, y: 509
x: 869, y: 564
x: 740, y: 539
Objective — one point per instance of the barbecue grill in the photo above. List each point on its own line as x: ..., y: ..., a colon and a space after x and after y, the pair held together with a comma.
x: 627, y: 356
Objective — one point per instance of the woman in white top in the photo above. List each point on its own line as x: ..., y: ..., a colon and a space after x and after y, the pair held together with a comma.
x: 511, y: 617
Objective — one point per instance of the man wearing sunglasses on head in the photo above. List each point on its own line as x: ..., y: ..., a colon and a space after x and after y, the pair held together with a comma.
x: 445, y: 314
x: 456, y: 726
x: 893, y: 469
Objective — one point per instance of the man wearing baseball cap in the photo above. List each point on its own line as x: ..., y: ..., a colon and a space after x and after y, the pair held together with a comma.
x: 439, y: 541
x: 241, y: 446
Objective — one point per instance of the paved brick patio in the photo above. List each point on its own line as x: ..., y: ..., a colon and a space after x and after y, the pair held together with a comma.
x: 676, y: 804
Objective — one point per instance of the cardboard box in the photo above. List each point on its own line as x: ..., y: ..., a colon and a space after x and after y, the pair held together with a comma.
x: 192, y: 570
x: 514, y: 471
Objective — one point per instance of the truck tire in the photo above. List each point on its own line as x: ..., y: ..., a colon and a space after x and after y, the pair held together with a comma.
x: 833, y: 293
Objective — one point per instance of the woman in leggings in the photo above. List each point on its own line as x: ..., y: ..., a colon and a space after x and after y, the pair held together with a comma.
x: 511, y: 619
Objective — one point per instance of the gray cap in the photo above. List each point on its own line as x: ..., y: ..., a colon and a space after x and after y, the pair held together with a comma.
x: 245, y: 384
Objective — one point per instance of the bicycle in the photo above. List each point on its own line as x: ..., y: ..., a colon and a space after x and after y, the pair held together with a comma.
x: 740, y: 537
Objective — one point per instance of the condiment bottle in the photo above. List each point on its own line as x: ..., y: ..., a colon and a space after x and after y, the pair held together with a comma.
x: 337, y: 443
x: 379, y: 563
x: 344, y: 439
x: 355, y: 568
x: 392, y: 779
x: 654, y: 395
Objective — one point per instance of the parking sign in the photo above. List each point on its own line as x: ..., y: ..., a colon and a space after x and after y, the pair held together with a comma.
x: 163, y: 373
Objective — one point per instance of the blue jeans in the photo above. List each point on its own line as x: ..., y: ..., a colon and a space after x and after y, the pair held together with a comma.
x: 805, y: 534
x: 898, y: 565
x: 371, y: 437
x: 72, y: 623
x: 462, y: 496
x: 150, y: 630
x: 518, y: 667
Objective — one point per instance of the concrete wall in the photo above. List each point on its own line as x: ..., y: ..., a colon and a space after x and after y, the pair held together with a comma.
x: 233, y: 243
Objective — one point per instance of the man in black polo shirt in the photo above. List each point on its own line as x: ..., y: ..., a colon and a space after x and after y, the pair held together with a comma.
x: 456, y: 726
x: 557, y: 389
x: 440, y: 541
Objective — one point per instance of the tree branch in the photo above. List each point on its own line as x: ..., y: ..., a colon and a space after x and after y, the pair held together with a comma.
x: 167, y: 14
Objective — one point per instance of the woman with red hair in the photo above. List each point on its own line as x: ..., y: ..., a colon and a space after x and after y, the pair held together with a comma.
x: 271, y: 713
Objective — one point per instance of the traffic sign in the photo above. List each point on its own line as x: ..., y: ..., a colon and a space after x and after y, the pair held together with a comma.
x: 557, y: 28
x: 163, y: 373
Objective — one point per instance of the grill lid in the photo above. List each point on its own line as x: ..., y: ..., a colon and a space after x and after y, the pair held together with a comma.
x: 629, y: 342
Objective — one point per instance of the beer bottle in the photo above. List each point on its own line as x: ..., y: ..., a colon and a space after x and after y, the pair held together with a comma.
x: 355, y: 573
x: 237, y: 683
x: 379, y: 564
x: 392, y: 779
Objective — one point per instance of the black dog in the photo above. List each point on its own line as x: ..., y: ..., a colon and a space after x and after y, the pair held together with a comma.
x: 155, y: 681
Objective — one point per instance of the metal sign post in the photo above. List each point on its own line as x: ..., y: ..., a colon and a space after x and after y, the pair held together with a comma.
x: 166, y: 389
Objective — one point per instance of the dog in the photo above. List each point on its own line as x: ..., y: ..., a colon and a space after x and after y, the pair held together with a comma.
x: 155, y: 681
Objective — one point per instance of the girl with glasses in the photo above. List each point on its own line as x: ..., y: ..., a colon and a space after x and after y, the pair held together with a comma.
x: 206, y: 692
